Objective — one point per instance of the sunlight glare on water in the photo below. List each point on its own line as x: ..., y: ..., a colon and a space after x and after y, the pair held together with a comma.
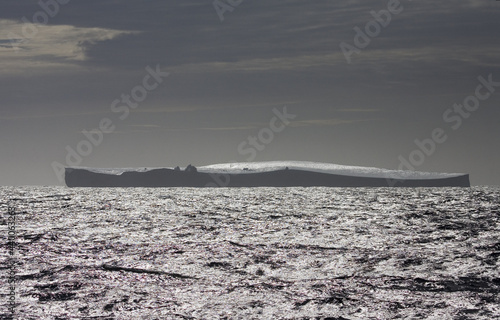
x: 255, y: 253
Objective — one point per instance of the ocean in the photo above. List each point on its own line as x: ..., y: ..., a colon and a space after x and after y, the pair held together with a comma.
x: 250, y: 253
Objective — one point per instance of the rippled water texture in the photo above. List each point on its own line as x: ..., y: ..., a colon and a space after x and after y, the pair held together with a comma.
x: 254, y: 253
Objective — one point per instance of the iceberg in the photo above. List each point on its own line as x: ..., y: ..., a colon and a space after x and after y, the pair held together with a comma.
x: 261, y: 174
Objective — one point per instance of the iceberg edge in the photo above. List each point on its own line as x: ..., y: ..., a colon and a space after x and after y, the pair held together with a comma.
x: 261, y: 174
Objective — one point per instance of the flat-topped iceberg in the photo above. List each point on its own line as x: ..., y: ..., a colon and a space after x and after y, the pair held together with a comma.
x: 255, y: 174
x: 249, y: 167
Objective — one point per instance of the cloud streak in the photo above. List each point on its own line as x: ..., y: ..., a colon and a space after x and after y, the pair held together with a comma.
x: 53, y: 46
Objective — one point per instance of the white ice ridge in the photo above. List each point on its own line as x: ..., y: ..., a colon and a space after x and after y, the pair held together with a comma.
x: 250, y: 167
x: 253, y: 167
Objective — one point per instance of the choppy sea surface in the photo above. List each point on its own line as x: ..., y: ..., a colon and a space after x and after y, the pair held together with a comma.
x: 252, y: 253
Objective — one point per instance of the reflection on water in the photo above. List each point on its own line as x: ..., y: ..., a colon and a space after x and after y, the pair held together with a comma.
x: 255, y: 253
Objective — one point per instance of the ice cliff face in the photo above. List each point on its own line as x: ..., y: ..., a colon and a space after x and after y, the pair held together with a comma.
x: 255, y: 167
x: 261, y: 174
x: 249, y: 167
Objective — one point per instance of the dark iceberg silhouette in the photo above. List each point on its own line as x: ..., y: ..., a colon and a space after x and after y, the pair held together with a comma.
x: 258, y: 175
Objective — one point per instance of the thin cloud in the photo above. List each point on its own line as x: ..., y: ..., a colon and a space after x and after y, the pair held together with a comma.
x: 145, y: 125
x: 228, y: 128
x: 51, y: 46
x: 486, y: 56
x: 358, y: 110
x: 51, y: 115
x: 299, y: 123
x: 325, y: 122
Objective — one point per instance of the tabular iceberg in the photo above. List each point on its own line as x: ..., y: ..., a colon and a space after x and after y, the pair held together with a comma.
x: 261, y: 174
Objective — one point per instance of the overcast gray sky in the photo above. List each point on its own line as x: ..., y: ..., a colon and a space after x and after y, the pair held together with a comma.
x: 228, y: 78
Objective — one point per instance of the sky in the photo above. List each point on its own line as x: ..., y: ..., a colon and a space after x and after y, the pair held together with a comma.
x: 412, y: 85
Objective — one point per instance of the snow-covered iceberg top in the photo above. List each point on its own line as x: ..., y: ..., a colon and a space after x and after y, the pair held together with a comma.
x: 253, y: 167
x: 113, y: 171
